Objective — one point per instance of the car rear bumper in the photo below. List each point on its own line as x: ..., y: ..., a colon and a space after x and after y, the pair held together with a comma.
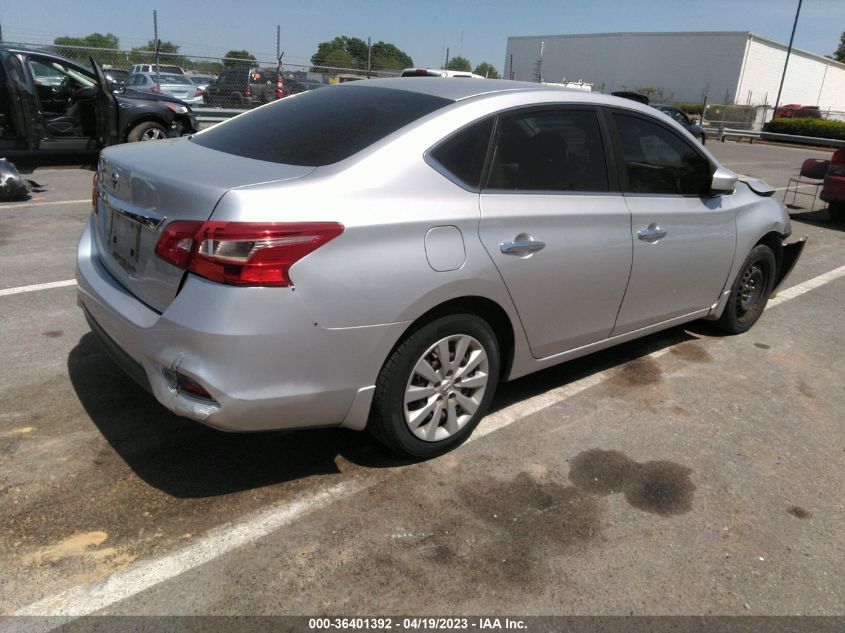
x: 257, y: 351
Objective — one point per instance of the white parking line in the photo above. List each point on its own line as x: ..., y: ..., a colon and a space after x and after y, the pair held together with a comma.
x: 807, y: 286
x: 43, y: 204
x: 36, y: 287
x: 135, y: 578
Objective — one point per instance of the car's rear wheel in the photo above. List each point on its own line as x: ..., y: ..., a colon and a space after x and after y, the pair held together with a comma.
x: 147, y: 131
x: 750, y: 291
x: 436, y: 386
x: 836, y: 211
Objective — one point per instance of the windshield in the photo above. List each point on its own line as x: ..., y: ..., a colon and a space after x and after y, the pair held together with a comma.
x: 173, y: 79
x: 319, y: 127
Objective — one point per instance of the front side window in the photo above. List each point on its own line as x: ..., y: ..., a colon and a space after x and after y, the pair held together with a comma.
x: 52, y: 73
x: 657, y: 160
x: 463, y: 155
x: 549, y: 150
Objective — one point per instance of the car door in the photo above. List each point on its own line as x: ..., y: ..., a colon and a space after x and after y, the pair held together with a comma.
x: 555, y: 225
x: 684, y: 240
x: 107, y: 132
x: 23, y: 102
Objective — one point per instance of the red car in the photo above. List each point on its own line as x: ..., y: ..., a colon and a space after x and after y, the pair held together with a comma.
x: 797, y: 111
x: 833, y: 190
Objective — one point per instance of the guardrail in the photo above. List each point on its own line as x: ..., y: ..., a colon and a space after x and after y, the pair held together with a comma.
x: 215, y: 115
x: 810, y: 140
x: 723, y: 133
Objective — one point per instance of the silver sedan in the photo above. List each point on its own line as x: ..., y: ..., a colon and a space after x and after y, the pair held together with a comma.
x: 381, y: 254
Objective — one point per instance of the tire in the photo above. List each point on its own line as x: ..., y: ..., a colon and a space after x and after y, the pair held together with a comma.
x: 836, y: 211
x: 443, y: 416
x: 750, y: 291
x: 147, y: 131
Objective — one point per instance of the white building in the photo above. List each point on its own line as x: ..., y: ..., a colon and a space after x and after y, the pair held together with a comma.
x: 730, y: 66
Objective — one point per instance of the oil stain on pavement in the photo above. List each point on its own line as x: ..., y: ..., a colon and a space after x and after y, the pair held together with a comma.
x: 660, y: 487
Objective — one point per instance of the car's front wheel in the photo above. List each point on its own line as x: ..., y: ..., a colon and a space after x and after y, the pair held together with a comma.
x: 147, y: 131
x: 436, y: 386
x: 750, y: 291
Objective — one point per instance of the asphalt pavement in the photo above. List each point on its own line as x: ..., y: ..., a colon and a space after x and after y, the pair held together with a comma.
x: 683, y: 473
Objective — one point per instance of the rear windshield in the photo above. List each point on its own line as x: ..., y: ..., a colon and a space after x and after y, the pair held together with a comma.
x: 319, y: 127
x: 174, y: 79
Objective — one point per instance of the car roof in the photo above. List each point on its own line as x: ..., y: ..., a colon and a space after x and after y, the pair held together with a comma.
x: 456, y: 89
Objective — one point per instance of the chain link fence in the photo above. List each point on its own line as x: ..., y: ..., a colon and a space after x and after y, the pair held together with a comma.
x: 202, y: 81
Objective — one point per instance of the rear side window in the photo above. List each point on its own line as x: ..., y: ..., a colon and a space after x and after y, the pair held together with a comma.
x: 657, y: 160
x: 463, y: 155
x: 549, y: 150
x: 319, y: 127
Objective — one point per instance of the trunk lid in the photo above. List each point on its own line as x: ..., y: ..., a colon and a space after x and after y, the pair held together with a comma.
x: 143, y: 186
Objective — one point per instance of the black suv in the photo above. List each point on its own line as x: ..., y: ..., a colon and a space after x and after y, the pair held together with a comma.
x: 242, y: 87
x: 50, y: 103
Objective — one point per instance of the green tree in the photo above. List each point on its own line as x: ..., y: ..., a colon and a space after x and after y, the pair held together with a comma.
x: 238, y: 58
x: 80, y: 48
x: 351, y: 52
x: 486, y: 70
x: 168, y: 54
x: 387, y: 56
x: 839, y: 53
x: 459, y: 63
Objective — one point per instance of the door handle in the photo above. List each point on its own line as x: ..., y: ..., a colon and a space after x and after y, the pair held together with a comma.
x: 521, y: 247
x: 652, y: 233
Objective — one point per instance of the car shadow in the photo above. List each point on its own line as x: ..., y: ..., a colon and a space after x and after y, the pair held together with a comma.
x: 819, y: 217
x: 186, y: 459
x: 27, y: 165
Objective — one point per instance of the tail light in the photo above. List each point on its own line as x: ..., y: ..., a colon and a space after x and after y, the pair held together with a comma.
x: 837, y: 163
x: 95, y: 191
x: 155, y: 89
x: 186, y: 385
x: 242, y: 253
x: 248, y: 91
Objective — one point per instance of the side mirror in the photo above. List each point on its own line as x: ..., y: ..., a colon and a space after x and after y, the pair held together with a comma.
x: 723, y: 182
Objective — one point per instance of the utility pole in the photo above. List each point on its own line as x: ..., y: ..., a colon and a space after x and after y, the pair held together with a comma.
x: 1, y: 32
x: 158, y: 47
x: 447, y: 57
x: 278, y: 40
x: 788, y: 53
x: 540, y: 63
x: 369, y: 56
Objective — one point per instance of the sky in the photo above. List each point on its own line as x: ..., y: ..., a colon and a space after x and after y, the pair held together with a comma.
x: 475, y: 29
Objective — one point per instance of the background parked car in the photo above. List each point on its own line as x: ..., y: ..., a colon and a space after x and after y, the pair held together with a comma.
x: 833, y: 190
x: 201, y: 81
x: 117, y: 76
x: 684, y: 119
x: 295, y: 86
x: 162, y: 68
x: 242, y: 87
x: 81, y: 111
x: 797, y: 111
x: 178, y: 86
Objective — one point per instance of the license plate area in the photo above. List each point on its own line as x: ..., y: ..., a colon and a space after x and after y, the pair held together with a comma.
x: 123, y: 240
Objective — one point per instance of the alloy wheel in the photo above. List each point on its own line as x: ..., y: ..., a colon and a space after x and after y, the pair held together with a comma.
x: 153, y: 134
x: 446, y: 387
